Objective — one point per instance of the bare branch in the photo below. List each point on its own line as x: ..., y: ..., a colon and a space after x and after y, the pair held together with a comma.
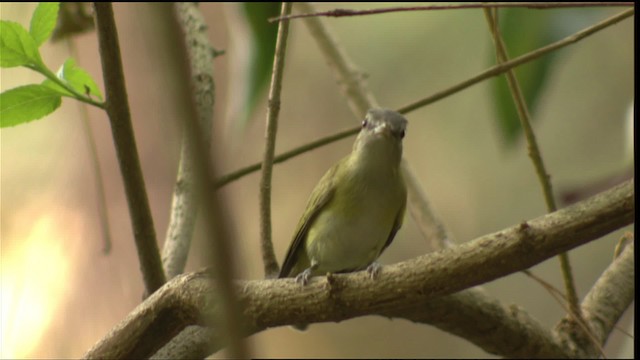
x: 266, y: 245
x: 184, y: 205
x: 117, y: 106
x: 528, y: 5
x: 228, y: 178
x: 220, y: 244
x: 534, y: 153
x: 522, y: 59
x: 487, y: 74
x: 605, y: 303
x: 432, y: 229
x: 399, y: 291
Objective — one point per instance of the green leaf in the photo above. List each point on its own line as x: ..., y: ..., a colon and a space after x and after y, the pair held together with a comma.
x: 26, y: 103
x: 44, y: 21
x: 263, y: 45
x: 17, y: 47
x: 522, y: 30
x: 79, y: 79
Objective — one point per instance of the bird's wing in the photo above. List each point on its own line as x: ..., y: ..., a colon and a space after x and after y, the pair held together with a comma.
x: 399, y: 218
x: 321, y: 195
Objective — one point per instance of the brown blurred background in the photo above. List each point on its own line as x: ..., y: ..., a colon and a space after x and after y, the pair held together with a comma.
x: 60, y: 294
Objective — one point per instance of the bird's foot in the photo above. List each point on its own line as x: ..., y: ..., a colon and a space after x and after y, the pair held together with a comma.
x: 374, y: 270
x: 303, y: 277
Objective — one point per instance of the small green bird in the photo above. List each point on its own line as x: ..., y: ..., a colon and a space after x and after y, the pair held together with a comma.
x: 357, y: 208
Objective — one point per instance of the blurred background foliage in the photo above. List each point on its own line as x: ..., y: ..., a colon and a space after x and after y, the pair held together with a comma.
x: 60, y: 294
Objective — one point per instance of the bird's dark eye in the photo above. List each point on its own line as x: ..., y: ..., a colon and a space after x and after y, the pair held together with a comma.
x: 364, y: 123
x: 402, y: 135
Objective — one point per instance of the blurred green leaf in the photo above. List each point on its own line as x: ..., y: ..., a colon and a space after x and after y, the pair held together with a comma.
x: 43, y: 21
x: 79, y: 79
x: 27, y: 103
x: 522, y: 30
x: 17, y: 47
x: 263, y: 34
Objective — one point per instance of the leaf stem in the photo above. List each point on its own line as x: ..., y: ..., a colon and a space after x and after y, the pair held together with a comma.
x: 75, y: 95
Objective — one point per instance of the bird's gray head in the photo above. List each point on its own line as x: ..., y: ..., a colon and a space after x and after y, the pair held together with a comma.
x: 384, y: 121
x: 380, y: 126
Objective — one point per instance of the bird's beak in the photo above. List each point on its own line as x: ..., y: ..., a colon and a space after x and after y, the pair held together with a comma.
x: 383, y: 129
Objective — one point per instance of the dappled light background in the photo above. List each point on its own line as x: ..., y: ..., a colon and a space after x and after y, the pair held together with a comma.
x: 60, y: 294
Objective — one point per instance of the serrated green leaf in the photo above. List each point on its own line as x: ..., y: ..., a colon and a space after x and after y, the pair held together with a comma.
x: 264, y: 36
x: 17, y: 47
x: 79, y: 79
x: 43, y: 21
x: 522, y: 30
x: 26, y: 103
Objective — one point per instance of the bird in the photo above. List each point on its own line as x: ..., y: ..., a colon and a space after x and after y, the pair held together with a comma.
x: 357, y: 207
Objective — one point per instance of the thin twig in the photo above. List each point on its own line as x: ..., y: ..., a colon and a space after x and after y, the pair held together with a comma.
x: 266, y: 245
x: 117, y: 105
x: 561, y: 299
x: 535, y: 155
x: 351, y: 80
x: 101, y: 200
x: 504, y: 67
x: 487, y: 74
x: 184, y: 205
x: 432, y: 229
x: 531, y: 5
x: 235, y: 175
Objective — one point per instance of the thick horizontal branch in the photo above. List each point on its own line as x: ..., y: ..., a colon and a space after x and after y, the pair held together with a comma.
x: 400, y: 287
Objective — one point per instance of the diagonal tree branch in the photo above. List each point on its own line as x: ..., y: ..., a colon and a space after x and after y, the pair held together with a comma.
x: 266, y: 244
x: 534, y: 152
x: 603, y: 306
x: 117, y: 106
x: 484, y: 75
x: 522, y: 59
x: 220, y: 244
x: 399, y: 291
x: 184, y: 203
